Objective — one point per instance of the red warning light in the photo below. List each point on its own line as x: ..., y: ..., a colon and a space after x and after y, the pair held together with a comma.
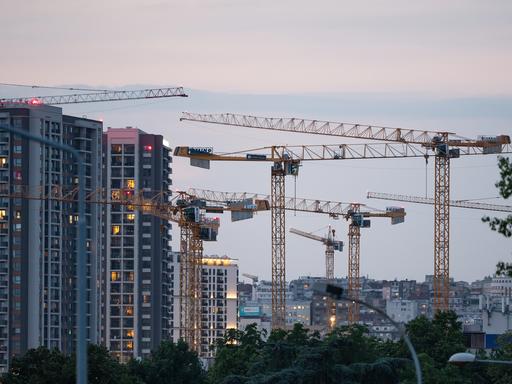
x: 148, y: 148
x: 35, y: 101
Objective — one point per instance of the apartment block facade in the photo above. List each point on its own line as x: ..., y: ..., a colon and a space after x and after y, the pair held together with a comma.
x: 38, y: 236
x: 137, y: 262
x: 219, y: 300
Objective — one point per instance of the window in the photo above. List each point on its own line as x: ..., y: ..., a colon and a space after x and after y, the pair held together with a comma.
x: 129, y: 333
x: 3, y: 214
x: 130, y: 216
x: 116, y: 229
x: 115, y: 183
x: 116, y: 194
x: 115, y: 276
x: 130, y: 183
x: 116, y: 148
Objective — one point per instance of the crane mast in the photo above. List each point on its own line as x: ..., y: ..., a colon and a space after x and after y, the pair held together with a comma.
x: 278, y: 228
x: 354, y: 281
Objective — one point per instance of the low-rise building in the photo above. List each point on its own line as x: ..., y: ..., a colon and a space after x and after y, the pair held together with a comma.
x: 402, y: 311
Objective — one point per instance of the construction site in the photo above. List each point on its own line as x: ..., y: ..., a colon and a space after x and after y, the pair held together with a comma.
x: 195, y: 212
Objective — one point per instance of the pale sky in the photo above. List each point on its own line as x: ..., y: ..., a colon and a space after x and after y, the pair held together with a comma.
x: 459, y: 47
x: 427, y: 65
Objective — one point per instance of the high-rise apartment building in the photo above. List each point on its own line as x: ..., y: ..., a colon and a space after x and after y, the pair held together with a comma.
x: 219, y: 300
x: 138, y: 289
x: 38, y: 237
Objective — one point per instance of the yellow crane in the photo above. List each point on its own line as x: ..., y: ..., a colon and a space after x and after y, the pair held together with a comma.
x: 187, y: 210
x: 286, y: 160
x: 444, y: 146
x: 352, y: 212
x: 331, y: 245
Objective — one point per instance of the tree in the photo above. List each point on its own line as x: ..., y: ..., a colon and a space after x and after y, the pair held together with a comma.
x: 169, y: 363
x: 498, y: 373
x: 39, y: 366
x: 346, y: 355
x: 236, y: 352
x: 503, y: 226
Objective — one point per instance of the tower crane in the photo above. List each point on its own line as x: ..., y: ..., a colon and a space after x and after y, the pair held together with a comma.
x: 255, y: 280
x: 187, y: 210
x: 445, y: 146
x: 331, y: 245
x: 359, y: 218
x: 286, y: 160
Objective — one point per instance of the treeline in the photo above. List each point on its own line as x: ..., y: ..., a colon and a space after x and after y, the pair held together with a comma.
x: 346, y: 355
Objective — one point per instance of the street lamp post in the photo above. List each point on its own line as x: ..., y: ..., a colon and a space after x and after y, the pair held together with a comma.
x: 464, y: 358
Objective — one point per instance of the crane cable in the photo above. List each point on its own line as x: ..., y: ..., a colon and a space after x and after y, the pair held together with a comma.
x: 52, y: 87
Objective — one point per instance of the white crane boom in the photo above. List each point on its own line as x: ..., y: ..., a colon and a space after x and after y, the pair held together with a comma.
x: 319, y: 127
x: 309, y: 235
x: 95, y: 97
x: 430, y: 201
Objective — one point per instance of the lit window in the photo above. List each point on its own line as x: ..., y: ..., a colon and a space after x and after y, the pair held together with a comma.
x: 146, y: 298
x: 3, y: 161
x: 3, y: 214
x: 130, y: 183
x: 129, y: 345
x: 130, y: 333
x: 115, y: 276
x: 130, y: 216
x: 18, y: 214
x: 116, y: 194
x: 116, y: 229
x: 116, y: 148
x: 128, y: 311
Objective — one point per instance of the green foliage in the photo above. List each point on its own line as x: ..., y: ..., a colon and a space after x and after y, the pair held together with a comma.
x: 502, y: 374
x: 504, y: 269
x: 39, y: 366
x: 170, y: 363
x: 236, y: 352
x: 503, y: 226
x: 346, y: 355
x: 439, y: 338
